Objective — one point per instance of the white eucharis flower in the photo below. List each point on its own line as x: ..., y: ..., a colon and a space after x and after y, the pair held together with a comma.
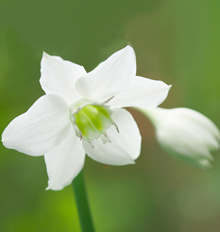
x: 82, y: 113
x: 185, y: 134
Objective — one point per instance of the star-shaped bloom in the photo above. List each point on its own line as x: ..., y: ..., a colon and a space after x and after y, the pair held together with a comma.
x: 185, y: 134
x: 81, y: 113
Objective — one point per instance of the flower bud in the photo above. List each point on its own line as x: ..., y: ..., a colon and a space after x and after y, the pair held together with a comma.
x: 185, y: 134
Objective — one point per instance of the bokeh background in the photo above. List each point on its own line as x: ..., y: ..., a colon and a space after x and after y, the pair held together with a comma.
x: 175, y: 41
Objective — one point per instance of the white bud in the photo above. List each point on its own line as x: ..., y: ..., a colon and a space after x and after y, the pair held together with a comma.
x: 185, y: 134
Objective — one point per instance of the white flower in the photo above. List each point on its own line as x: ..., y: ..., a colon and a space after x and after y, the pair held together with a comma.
x: 81, y: 114
x: 185, y: 134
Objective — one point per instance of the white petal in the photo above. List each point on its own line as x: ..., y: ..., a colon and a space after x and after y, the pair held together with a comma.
x: 143, y: 92
x: 110, y: 77
x: 41, y: 128
x: 59, y: 76
x: 65, y: 161
x: 124, y: 147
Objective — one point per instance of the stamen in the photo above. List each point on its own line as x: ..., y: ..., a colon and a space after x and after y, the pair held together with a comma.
x: 78, y: 109
x: 109, y: 99
x: 107, y: 137
x: 90, y: 142
x: 116, y: 127
x: 80, y: 134
x: 92, y: 121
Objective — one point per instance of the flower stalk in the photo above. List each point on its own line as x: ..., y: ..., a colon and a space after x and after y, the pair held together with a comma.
x: 82, y: 203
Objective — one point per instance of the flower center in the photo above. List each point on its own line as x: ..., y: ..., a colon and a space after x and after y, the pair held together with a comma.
x: 91, y: 121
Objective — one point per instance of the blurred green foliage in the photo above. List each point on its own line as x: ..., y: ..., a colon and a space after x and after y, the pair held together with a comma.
x: 175, y: 41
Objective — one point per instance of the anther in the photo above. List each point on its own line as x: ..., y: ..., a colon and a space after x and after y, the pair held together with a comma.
x: 90, y: 142
x: 116, y: 127
x: 107, y: 137
x: 80, y: 134
x: 78, y: 109
x: 109, y: 99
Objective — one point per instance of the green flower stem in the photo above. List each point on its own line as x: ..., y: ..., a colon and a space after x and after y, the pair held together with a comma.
x: 82, y: 204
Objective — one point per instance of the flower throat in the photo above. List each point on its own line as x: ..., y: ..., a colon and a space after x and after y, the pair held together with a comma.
x: 91, y: 122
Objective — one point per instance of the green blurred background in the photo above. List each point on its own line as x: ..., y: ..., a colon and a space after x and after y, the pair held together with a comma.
x: 175, y: 41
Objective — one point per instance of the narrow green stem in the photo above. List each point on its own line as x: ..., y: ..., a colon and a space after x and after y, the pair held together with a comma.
x: 82, y: 204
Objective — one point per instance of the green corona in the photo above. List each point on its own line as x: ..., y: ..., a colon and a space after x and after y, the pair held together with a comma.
x: 92, y: 121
